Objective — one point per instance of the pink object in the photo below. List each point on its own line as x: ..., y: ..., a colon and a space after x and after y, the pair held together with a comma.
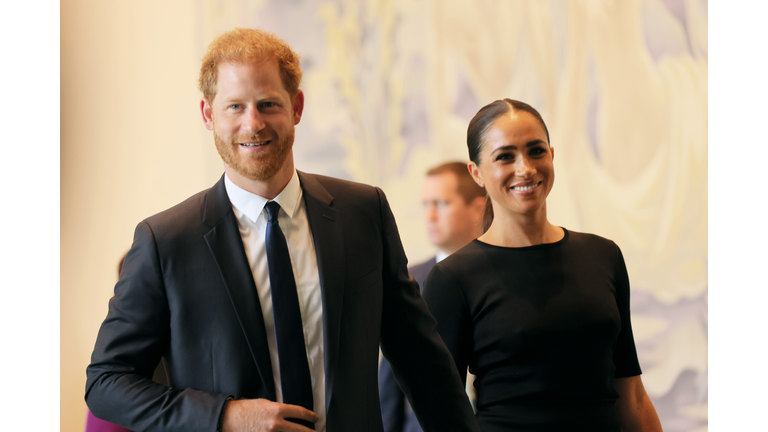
x: 93, y: 424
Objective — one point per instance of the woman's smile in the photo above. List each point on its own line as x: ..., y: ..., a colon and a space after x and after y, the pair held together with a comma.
x: 522, y: 190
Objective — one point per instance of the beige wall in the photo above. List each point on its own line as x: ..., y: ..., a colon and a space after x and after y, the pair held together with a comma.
x: 132, y: 144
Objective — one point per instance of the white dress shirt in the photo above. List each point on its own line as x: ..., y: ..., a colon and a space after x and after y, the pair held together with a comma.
x: 252, y: 219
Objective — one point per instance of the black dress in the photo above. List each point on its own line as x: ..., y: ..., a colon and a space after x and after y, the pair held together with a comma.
x: 545, y: 329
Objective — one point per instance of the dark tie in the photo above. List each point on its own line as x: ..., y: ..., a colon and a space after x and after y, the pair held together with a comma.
x: 289, y: 331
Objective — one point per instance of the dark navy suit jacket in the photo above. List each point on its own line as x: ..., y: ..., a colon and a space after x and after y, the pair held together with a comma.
x: 186, y: 294
x: 397, y: 413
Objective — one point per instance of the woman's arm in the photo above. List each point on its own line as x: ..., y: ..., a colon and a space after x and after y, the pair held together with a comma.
x: 634, y: 407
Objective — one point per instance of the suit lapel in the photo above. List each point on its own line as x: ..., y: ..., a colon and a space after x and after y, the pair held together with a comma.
x: 226, y: 245
x: 328, y: 237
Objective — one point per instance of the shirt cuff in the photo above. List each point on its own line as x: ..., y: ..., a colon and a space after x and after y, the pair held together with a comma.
x: 221, y: 415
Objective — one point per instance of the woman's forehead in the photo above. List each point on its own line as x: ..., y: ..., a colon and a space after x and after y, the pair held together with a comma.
x: 515, y: 128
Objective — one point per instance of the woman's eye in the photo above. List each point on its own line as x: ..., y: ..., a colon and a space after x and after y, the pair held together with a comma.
x: 504, y: 156
x: 537, y: 151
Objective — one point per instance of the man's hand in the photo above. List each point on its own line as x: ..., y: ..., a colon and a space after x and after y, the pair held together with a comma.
x: 262, y: 415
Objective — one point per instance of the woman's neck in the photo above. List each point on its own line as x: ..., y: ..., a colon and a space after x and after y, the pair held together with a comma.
x: 516, y: 230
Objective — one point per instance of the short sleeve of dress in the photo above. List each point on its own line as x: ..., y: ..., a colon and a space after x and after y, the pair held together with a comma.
x: 625, y: 354
x: 448, y: 305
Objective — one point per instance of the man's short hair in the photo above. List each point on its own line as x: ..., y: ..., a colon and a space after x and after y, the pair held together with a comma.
x: 242, y: 45
x: 467, y: 188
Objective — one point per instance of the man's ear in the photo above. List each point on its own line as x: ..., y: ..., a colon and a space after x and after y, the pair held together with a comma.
x: 298, y: 106
x: 475, y: 172
x: 207, y: 112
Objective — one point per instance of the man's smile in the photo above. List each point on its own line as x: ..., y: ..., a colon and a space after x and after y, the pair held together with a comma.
x: 255, y: 144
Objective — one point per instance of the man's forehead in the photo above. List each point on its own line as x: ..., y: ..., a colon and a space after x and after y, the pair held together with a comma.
x: 445, y: 184
x: 445, y: 177
x: 235, y: 69
x: 232, y: 80
x: 268, y: 66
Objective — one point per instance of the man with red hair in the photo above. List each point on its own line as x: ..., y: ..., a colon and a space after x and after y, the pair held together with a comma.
x: 268, y: 295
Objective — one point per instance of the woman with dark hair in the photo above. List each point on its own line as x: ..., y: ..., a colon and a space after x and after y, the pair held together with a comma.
x: 540, y: 314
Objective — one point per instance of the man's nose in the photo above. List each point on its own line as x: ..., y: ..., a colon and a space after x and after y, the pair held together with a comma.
x: 253, y: 121
x: 430, y: 212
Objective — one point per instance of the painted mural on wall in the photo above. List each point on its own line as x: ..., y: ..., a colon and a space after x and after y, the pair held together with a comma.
x: 391, y: 86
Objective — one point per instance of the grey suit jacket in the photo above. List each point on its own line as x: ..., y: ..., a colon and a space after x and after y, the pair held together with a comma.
x: 186, y: 294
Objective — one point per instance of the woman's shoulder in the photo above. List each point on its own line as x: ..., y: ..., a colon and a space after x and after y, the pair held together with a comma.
x: 462, y: 263
x: 588, y: 239
x: 451, y: 281
x: 592, y: 245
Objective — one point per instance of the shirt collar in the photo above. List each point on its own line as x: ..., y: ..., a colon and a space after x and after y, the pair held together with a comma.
x: 252, y: 205
x: 440, y: 255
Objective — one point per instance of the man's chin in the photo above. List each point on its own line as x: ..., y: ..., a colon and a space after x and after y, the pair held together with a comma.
x: 260, y: 175
x: 255, y: 167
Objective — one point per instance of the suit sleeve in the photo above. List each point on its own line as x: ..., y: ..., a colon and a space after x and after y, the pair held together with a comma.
x: 409, y: 340
x: 129, y: 345
x: 392, y: 399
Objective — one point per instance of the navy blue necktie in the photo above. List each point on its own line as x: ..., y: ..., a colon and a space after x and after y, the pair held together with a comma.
x: 289, y: 330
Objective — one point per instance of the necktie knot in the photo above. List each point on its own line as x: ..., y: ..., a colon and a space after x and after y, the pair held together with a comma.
x: 273, y: 209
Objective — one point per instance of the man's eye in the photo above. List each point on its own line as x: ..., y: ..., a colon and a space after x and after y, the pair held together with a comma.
x: 235, y: 106
x: 267, y: 104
